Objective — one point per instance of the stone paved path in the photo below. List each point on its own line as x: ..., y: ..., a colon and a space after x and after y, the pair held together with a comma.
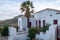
x: 3, y: 38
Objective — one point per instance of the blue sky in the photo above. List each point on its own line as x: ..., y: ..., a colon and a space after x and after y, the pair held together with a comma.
x: 10, y: 8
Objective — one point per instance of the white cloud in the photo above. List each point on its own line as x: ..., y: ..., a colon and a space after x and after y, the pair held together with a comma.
x: 54, y: 4
x: 9, y: 8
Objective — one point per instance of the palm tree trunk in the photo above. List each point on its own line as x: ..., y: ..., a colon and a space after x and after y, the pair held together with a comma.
x: 28, y: 22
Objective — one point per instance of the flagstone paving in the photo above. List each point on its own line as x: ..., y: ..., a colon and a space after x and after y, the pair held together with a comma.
x: 3, y: 38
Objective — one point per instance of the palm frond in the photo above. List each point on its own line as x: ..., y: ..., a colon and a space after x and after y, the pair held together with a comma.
x: 28, y: 2
x: 23, y: 4
x: 32, y: 11
x: 26, y: 6
x: 22, y: 9
x: 31, y: 5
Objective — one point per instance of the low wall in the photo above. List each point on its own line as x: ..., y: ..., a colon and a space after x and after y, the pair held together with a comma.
x: 49, y: 35
x: 12, y: 33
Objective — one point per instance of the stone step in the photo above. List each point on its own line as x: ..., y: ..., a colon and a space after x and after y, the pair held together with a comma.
x: 23, y: 32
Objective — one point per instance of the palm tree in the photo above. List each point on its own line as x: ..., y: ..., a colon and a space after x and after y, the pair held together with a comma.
x: 27, y: 7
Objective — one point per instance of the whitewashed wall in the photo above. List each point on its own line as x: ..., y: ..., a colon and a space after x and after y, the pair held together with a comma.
x: 45, y: 15
x: 22, y: 23
x: 12, y: 33
x: 49, y: 35
x: 42, y: 15
x: 33, y: 22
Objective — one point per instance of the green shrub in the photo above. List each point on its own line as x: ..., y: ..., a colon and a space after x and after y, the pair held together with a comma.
x: 36, y: 30
x: 4, y: 31
x: 45, y: 28
x: 32, y: 33
x: 1, y: 29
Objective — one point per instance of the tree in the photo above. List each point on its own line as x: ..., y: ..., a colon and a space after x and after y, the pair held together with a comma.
x: 27, y: 7
x: 5, y: 31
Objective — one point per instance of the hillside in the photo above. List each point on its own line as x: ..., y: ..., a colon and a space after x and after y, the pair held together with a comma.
x: 13, y: 21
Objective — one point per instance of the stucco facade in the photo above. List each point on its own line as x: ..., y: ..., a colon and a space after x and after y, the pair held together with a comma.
x: 41, y: 18
x: 48, y: 15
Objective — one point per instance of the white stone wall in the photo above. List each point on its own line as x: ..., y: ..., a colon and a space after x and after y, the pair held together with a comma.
x: 22, y: 23
x: 12, y: 33
x: 49, y: 35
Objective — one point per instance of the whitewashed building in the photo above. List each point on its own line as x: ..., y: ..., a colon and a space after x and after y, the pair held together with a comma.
x: 41, y: 18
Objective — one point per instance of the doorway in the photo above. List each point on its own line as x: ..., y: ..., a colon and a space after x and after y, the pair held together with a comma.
x: 55, y: 22
x: 29, y: 24
x: 58, y: 32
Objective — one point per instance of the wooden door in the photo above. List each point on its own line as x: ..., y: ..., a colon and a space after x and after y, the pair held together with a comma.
x: 36, y: 23
x: 58, y: 33
x: 43, y: 23
x: 29, y: 24
x: 39, y: 23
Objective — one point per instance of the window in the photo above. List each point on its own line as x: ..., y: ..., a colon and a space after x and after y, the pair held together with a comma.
x: 57, y: 13
x: 50, y: 14
x: 36, y: 23
x: 55, y: 22
x: 29, y: 24
x: 43, y: 23
x: 39, y: 23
